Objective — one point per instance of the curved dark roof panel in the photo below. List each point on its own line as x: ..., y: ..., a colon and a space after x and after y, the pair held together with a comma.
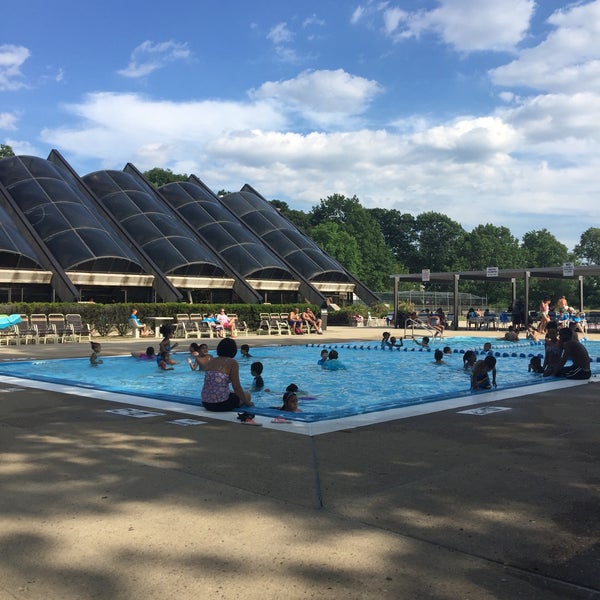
x: 297, y: 249
x: 227, y: 236
x: 64, y: 218
x: 15, y: 251
x: 155, y: 227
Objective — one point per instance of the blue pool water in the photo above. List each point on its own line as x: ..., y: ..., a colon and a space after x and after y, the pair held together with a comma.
x: 374, y: 379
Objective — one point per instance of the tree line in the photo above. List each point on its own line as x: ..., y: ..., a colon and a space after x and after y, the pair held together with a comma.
x: 374, y: 243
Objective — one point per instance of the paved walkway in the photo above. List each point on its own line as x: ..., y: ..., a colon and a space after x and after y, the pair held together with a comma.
x: 441, y: 506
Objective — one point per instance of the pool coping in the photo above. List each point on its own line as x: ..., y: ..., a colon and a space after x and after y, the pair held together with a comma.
x: 302, y: 427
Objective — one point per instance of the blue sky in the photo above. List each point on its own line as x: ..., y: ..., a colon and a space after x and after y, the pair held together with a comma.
x: 485, y: 110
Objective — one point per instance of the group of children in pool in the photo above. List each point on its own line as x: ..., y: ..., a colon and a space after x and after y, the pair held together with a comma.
x: 483, y: 372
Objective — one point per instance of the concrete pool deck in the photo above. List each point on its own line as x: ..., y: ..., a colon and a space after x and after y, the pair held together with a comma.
x: 445, y: 505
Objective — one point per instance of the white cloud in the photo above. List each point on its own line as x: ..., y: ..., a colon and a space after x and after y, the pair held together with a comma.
x: 313, y: 20
x: 325, y: 98
x: 123, y: 127
x: 8, y: 121
x: 567, y: 61
x: 280, y: 34
x: 150, y: 56
x: 11, y: 60
x: 357, y: 14
x: 473, y: 25
x: 466, y: 25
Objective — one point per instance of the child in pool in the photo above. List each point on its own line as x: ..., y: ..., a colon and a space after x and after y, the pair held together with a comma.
x: 290, y: 402
x: 95, y: 357
x: 469, y: 359
x: 424, y: 343
x: 438, y: 356
x: 487, y: 347
x: 201, y: 359
x: 149, y: 354
x: 324, y: 357
x: 395, y: 343
x: 333, y: 363
x: 165, y: 361
x: 245, y: 351
x: 535, y: 365
x: 385, y: 339
x: 256, y: 369
x: 480, y: 378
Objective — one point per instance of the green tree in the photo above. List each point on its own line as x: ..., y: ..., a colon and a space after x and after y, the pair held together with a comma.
x: 542, y: 249
x: 399, y: 234
x: 377, y: 260
x: 588, y: 249
x: 588, y: 252
x: 6, y: 151
x: 338, y: 243
x: 490, y: 246
x: 158, y: 177
x: 299, y: 218
x: 439, y: 240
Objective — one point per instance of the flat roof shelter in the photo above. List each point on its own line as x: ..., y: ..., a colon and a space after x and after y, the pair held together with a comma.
x: 574, y: 272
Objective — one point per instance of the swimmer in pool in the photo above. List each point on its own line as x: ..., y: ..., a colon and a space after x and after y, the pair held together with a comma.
x: 480, y: 378
x: 438, y: 356
x: 385, y: 340
x: 201, y: 359
x: 535, y: 365
x: 148, y: 355
x: 469, y: 359
x: 333, y: 363
x: 324, y: 357
x: 424, y: 343
x: 165, y: 361
x: 256, y: 369
x: 95, y: 357
x: 245, y: 351
x: 290, y: 402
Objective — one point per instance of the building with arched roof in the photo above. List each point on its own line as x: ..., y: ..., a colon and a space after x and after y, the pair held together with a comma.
x: 111, y: 236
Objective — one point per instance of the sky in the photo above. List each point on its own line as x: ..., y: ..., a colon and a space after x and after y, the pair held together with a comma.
x: 486, y: 111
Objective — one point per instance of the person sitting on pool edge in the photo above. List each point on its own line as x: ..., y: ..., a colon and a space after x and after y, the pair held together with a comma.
x: 575, y: 352
x: 221, y: 372
x: 480, y: 378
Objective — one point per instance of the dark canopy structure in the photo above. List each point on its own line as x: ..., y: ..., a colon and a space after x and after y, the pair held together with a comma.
x: 113, y: 232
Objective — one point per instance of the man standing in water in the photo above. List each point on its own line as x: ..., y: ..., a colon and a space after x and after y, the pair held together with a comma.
x: 572, y: 350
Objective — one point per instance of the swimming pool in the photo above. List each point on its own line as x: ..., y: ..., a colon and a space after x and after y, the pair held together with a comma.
x: 374, y: 379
